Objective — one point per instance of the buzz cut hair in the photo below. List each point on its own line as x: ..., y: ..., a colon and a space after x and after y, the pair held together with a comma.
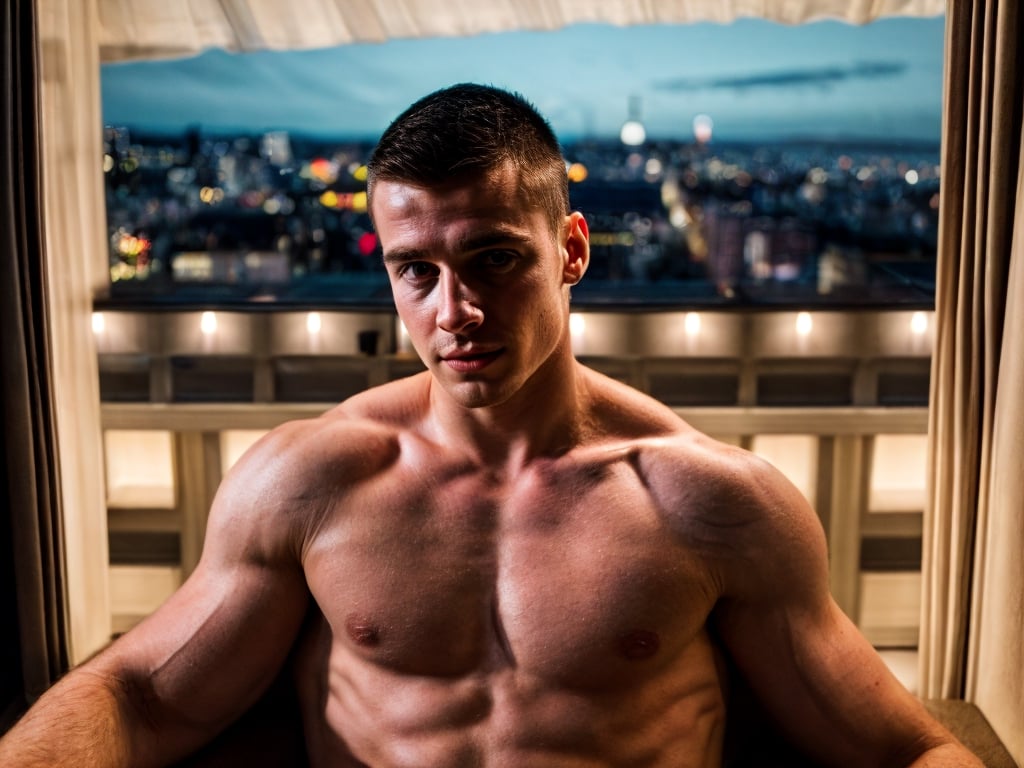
x: 466, y: 130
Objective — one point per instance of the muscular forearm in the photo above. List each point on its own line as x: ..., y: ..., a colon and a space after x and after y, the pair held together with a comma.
x: 80, y: 722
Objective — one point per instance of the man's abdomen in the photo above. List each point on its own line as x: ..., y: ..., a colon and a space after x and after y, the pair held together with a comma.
x: 510, y: 717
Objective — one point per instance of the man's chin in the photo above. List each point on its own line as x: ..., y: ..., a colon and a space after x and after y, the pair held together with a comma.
x: 473, y: 394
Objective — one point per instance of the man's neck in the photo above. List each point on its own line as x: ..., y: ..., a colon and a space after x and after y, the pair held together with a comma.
x: 544, y: 418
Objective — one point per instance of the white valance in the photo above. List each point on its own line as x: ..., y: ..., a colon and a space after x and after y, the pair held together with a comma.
x: 134, y: 29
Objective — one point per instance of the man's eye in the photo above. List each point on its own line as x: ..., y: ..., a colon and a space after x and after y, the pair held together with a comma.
x: 498, y: 260
x: 418, y: 270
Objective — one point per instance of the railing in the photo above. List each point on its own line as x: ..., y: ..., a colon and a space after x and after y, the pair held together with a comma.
x: 833, y: 461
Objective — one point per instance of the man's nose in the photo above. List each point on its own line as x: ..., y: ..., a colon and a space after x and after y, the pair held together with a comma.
x: 458, y: 310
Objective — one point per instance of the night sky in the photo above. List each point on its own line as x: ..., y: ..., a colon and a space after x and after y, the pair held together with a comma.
x: 757, y: 80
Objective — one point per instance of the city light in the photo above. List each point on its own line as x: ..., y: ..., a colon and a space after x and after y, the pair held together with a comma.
x: 804, y: 324
x: 633, y: 133
x: 211, y: 195
x: 313, y: 323
x: 577, y: 172
x: 367, y: 243
x: 678, y: 217
x: 322, y: 170
x: 692, y: 323
x: 919, y: 323
x: 130, y: 245
x: 351, y: 201
x: 653, y: 168
x: 703, y: 126
x: 796, y: 222
x: 208, y: 323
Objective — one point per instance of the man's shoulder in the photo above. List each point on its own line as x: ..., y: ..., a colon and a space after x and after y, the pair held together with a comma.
x: 688, y: 467
x: 329, y: 452
x: 368, y: 423
x: 703, y: 481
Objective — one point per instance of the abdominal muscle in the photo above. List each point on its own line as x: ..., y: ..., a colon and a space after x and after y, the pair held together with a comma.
x: 369, y: 715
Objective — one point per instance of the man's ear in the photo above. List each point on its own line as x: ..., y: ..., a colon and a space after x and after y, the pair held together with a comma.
x: 577, y: 248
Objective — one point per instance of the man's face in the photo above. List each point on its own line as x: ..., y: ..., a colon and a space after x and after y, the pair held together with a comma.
x: 479, y: 280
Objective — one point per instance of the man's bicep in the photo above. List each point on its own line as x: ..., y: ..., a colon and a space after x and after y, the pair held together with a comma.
x: 804, y: 659
x: 210, y: 651
x: 206, y: 655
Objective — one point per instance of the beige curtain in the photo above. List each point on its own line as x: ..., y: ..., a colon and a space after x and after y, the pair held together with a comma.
x: 74, y: 224
x: 158, y: 28
x: 973, y: 616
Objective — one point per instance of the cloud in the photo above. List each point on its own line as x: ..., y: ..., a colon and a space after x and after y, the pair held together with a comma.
x: 788, y: 78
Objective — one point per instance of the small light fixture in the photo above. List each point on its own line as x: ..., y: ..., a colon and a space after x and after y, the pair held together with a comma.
x: 99, y: 323
x: 208, y: 323
x: 404, y: 342
x: 313, y: 323
x: 692, y: 323
x: 577, y: 324
x: 804, y: 324
x: 919, y: 323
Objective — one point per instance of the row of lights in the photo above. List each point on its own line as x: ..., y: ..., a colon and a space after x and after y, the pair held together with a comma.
x: 804, y: 324
x: 208, y: 323
x: 577, y: 323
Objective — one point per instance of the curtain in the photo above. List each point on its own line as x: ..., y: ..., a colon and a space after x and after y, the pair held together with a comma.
x: 28, y: 440
x: 75, y: 231
x: 157, y: 28
x: 973, y: 611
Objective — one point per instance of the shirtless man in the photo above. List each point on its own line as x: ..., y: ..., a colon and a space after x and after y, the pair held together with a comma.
x: 507, y: 560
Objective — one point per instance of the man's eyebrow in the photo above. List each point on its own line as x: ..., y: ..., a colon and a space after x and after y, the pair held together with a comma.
x: 493, y: 237
x: 402, y: 256
x: 471, y: 242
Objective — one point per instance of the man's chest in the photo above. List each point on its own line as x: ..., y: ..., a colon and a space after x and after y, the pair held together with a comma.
x: 573, y: 575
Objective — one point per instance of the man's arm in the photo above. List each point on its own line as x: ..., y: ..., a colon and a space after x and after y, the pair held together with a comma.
x: 807, y: 663
x: 187, y: 671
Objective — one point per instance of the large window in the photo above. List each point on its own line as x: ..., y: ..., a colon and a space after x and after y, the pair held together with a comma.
x: 750, y: 164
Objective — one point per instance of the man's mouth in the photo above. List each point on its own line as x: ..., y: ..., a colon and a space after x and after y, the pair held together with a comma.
x: 471, y: 362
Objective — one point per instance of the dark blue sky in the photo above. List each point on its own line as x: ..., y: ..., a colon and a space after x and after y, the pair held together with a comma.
x: 756, y: 79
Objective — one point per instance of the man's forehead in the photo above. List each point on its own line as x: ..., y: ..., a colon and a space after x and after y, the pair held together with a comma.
x: 497, y: 193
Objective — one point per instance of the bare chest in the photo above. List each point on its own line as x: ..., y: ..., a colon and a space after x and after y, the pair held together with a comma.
x: 570, y: 575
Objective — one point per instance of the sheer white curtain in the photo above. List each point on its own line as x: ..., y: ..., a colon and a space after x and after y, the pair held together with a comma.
x: 157, y: 28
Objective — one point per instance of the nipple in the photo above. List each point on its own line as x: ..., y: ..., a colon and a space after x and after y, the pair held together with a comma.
x: 639, y: 644
x: 362, y: 631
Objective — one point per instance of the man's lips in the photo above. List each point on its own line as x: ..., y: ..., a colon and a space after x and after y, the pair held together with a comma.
x: 470, y: 362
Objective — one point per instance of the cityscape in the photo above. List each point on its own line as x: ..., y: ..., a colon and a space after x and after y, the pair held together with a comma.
x: 280, y: 218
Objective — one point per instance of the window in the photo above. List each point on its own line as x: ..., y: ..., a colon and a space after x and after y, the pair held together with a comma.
x: 750, y: 164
